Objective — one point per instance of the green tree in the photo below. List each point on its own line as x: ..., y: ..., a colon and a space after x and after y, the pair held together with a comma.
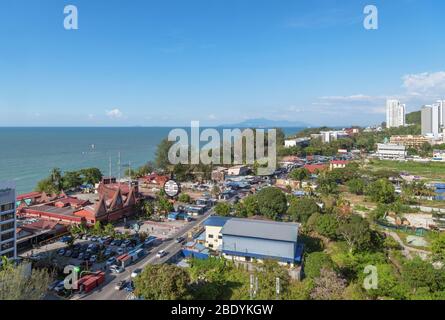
x: 327, y: 225
x: 91, y: 175
x: 438, y: 248
x: 240, y: 210
x: 327, y: 186
x: 223, y: 209
x: 17, y: 284
x: 47, y: 186
x: 164, y: 205
x: 56, y: 178
x: 299, y: 174
x: 251, y: 204
x: 271, y: 202
x: 418, y: 274
x: 184, y: 197
x: 356, y: 186
x: 161, y: 159
x: 267, y: 274
x: 162, y: 282
x: 381, y: 191
x: 300, y: 209
x: 71, y: 180
x: 314, y: 262
x: 357, y: 233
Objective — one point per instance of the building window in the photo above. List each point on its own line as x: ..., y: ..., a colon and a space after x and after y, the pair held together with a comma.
x: 210, y: 245
x: 7, y: 246
x: 7, y: 207
x: 211, y: 236
x: 7, y: 216
x: 7, y: 236
x: 7, y: 226
x: 220, y: 237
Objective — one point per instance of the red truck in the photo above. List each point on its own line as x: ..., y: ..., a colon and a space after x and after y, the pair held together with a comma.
x: 91, y: 281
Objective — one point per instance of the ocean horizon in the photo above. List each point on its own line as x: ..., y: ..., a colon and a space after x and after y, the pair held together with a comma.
x: 29, y: 153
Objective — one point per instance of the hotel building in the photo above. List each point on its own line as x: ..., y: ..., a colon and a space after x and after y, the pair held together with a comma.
x: 7, y: 220
x: 395, y: 114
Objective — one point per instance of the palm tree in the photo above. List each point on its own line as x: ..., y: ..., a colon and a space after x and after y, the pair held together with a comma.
x: 56, y: 178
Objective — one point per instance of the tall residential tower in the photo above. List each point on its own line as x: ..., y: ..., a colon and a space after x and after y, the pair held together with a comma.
x: 395, y: 114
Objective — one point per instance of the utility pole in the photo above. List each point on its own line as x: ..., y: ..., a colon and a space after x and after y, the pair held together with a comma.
x: 277, y: 285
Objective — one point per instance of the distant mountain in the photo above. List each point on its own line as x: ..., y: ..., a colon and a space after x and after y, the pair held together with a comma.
x: 266, y: 123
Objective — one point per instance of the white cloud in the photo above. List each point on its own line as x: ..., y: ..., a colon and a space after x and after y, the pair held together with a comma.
x: 430, y: 84
x: 114, y: 114
x: 212, y: 117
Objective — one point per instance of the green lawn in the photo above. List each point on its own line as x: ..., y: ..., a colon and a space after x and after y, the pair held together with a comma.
x: 432, y: 170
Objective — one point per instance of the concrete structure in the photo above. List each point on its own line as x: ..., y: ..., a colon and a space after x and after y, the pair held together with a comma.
x: 8, y: 223
x: 395, y: 114
x: 391, y: 151
x: 289, y: 143
x: 213, y: 236
x: 328, y: 136
x: 219, y: 174
x: 247, y: 239
x: 239, y: 170
x: 410, y: 141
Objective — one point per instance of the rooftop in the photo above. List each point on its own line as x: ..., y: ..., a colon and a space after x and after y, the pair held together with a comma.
x: 281, y: 231
x: 216, y: 221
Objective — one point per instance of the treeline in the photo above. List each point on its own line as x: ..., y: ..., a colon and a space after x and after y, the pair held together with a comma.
x: 68, y: 180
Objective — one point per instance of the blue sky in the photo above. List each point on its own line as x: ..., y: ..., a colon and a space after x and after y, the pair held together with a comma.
x: 168, y: 62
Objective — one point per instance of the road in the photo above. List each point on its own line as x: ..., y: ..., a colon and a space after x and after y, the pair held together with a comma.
x: 107, y: 291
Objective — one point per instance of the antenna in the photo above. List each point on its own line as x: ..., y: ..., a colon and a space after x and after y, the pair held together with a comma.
x: 110, y: 169
x: 119, y: 167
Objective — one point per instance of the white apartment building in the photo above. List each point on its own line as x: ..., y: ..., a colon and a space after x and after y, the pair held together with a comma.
x: 8, y: 222
x: 391, y: 151
x: 433, y: 119
x: 395, y: 114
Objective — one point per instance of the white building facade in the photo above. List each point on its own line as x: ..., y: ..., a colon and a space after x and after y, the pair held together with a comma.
x: 8, y: 224
x: 395, y: 114
x: 391, y: 151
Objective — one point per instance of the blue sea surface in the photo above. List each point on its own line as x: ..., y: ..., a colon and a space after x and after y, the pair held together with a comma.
x: 28, y: 154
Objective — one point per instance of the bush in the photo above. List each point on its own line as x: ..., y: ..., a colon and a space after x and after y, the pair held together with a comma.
x: 314, y: 262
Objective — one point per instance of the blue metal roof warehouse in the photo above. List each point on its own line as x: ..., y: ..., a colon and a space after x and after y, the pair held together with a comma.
x: 258, y: 239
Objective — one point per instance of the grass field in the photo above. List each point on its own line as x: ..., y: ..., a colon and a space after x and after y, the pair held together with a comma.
x: 431, y: 170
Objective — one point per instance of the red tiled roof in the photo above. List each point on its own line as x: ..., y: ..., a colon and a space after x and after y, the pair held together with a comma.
x: 312, y: 168
x: 29, y: 195
x: 339, y: 162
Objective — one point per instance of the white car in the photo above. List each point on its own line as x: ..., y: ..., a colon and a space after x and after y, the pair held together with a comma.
x: 116, y: 269
x: 161, y: 253
x: 135, y: 273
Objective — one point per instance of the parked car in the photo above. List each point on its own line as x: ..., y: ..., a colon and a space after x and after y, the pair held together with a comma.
x: 161, y: 253
x: 75, y: 254
x: 180, y: 239
x: 68, y: 253
x: 93, y: 258
x: 81, y: 255
x: 120, y: 285
x: 60, y: 287
x: 116, y: 269
x: 111, y: 261
x: 135, y: 273
x: 120, y: 251
x: 129, y: 287
x: 61, y: 252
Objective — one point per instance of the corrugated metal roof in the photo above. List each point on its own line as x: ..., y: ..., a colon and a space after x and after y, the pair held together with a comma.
x: 283, y: 231
x: 216, y: 221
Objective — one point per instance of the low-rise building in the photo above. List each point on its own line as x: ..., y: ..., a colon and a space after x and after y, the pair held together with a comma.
x: 391, y: 151
x: 246, y: 240
x: 213, y: 236
x: 289, y: 143
x: 337, y: 164
x: 410, y: 141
